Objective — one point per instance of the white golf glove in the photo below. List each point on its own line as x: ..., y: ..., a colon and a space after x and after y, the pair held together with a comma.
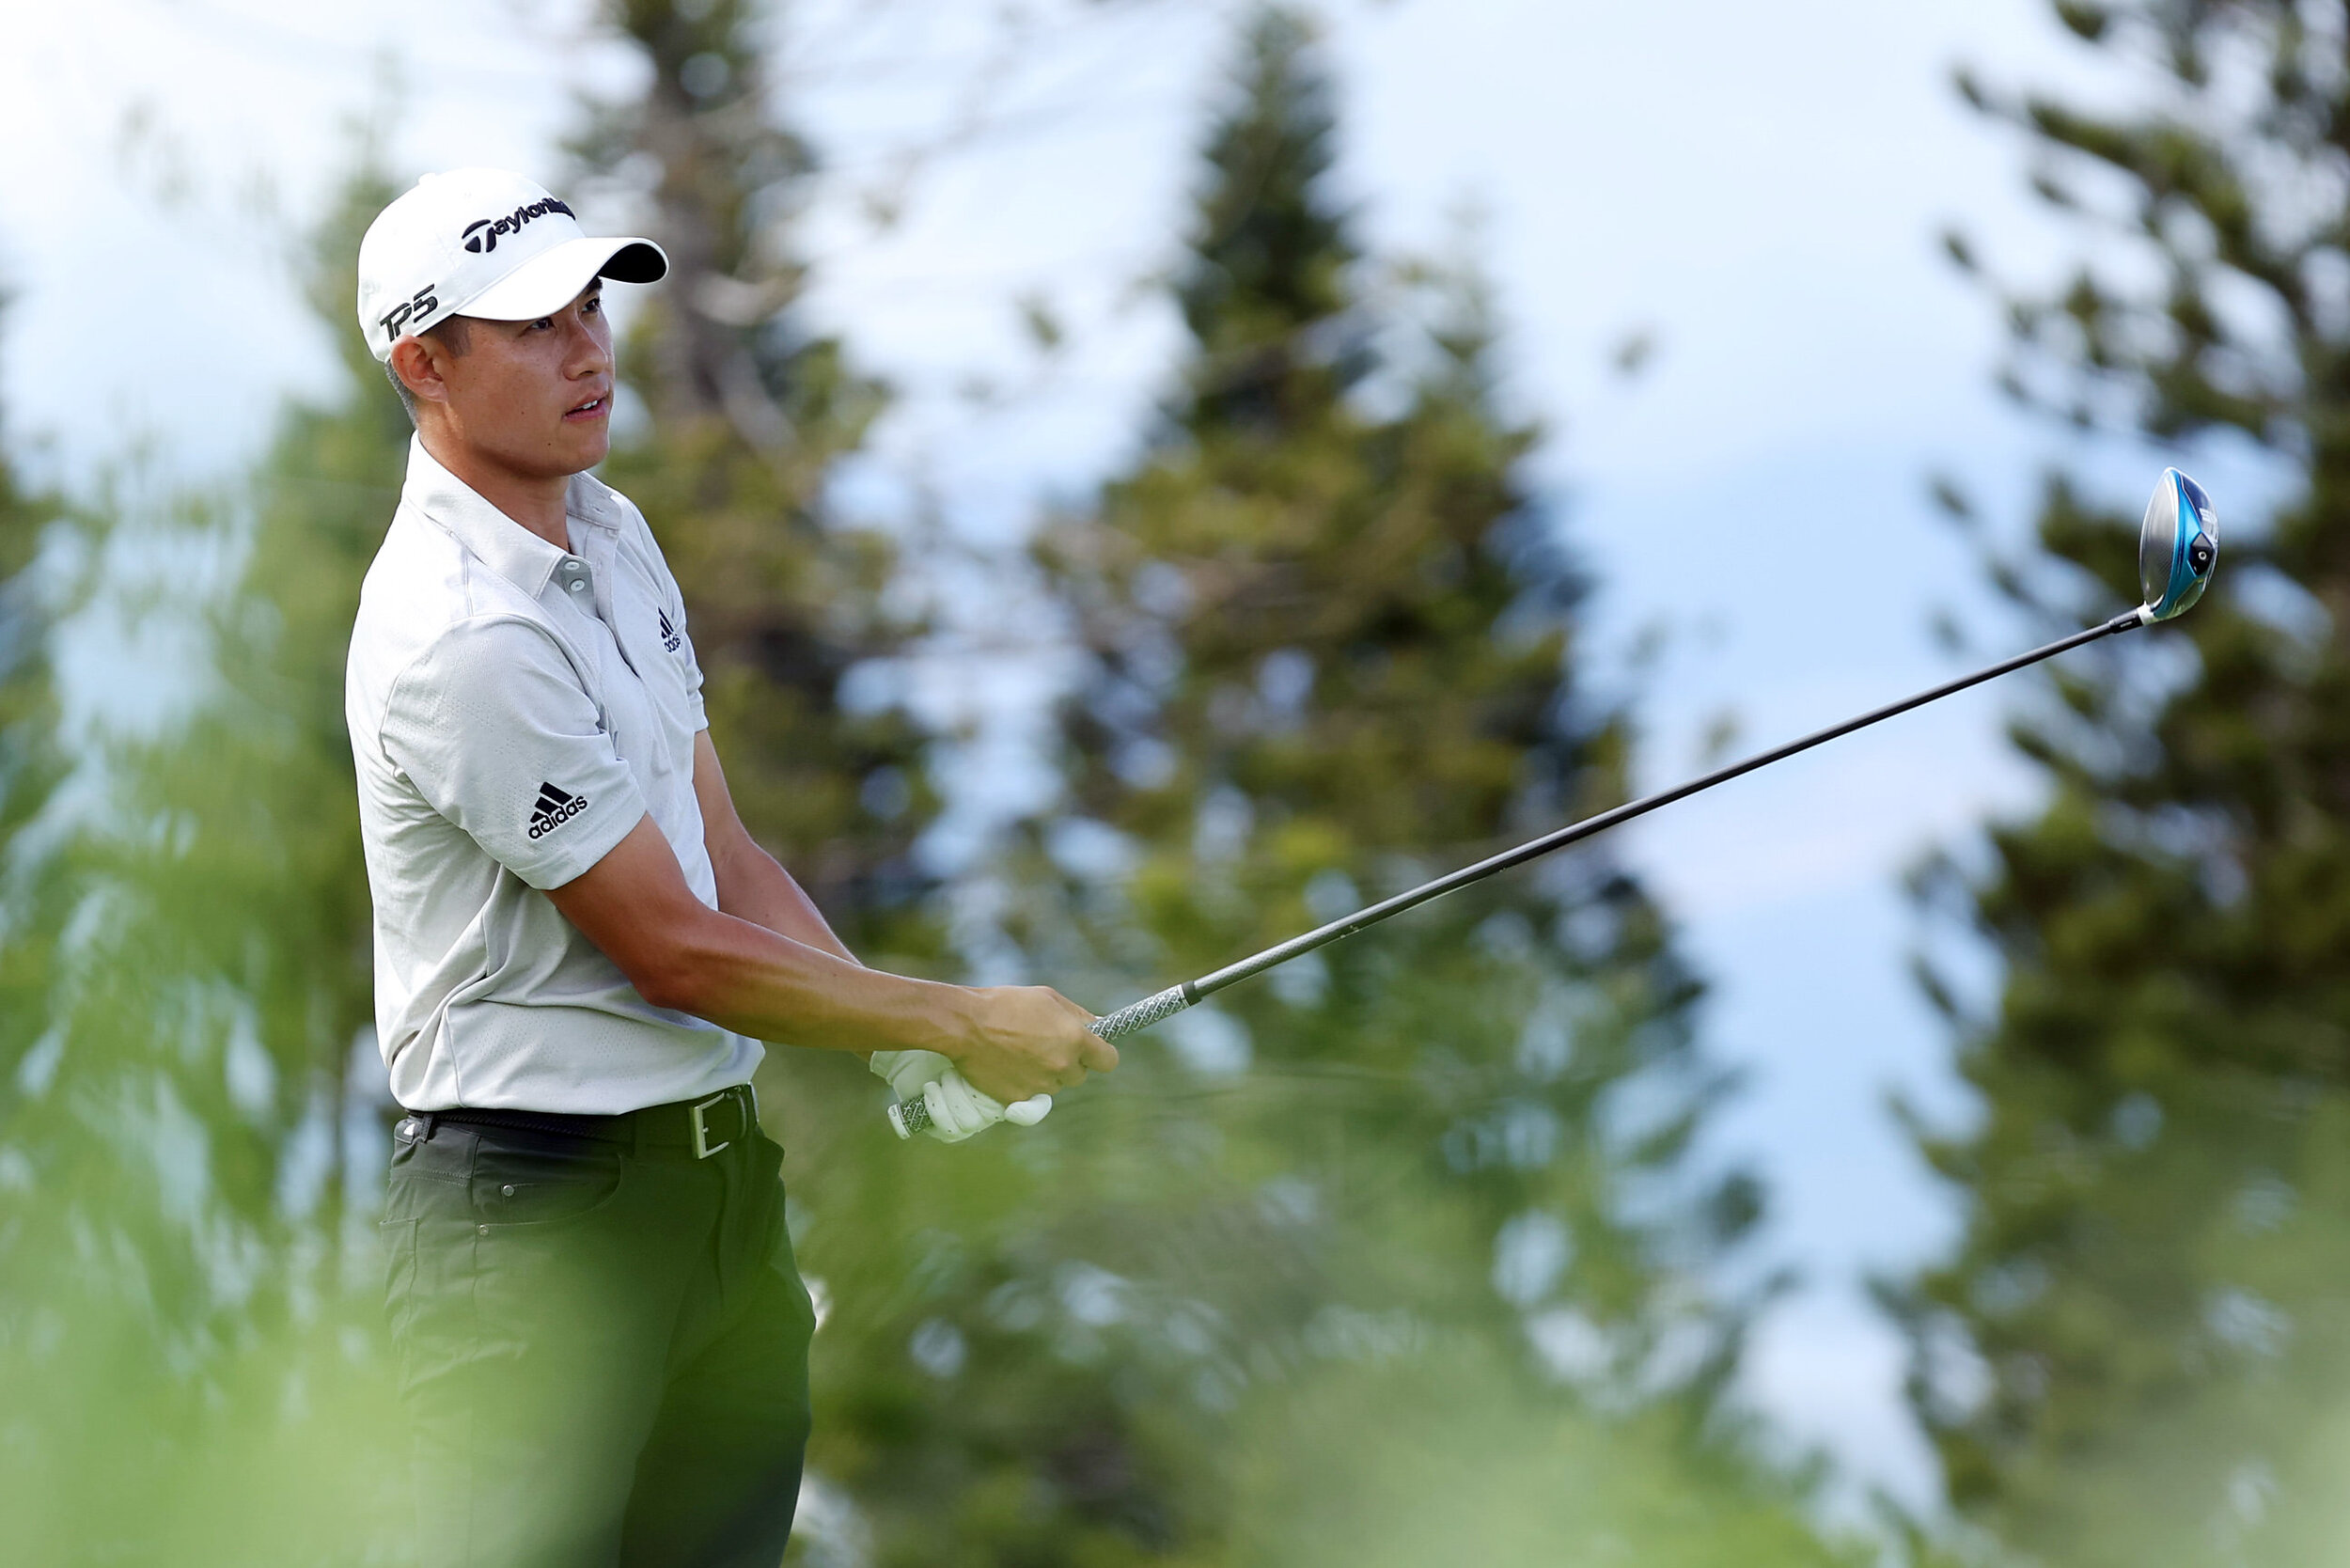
x: 908, y: 1073
x: 957, y: 1109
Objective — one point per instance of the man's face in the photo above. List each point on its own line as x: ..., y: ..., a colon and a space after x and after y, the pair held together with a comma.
x: 534, y: 397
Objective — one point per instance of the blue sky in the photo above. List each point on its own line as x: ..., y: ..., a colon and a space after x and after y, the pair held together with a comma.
x: 1760, y: 189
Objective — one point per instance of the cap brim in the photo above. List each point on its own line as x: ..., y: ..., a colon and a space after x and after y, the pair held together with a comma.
x: 546, y: 284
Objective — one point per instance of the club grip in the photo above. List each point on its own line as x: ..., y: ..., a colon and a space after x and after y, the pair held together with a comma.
x: 1137, y: 1016
x: 909, y: 1116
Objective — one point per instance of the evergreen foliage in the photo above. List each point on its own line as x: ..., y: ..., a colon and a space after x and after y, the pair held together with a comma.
x: 2138, y: 1353
x: 1332, y: 657
x: 744, y: 415
x: 1218, y: 1305
x: 31, y: 764
x: 34, y: 902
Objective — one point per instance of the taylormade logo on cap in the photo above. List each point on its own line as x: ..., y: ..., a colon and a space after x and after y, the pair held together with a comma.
x: 484, y: 242
x: 482, y: 233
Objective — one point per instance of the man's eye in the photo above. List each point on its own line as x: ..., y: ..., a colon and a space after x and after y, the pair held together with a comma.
x: 547, y: 321
x: 594, y: 306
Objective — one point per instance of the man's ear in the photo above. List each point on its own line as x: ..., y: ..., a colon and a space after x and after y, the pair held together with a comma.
x: 423, y: 365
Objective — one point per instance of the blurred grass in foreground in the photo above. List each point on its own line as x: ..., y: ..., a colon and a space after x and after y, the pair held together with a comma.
x: 280, y: 1452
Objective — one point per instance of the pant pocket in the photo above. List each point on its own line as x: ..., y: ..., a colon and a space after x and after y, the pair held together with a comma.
x: 529, y: 1186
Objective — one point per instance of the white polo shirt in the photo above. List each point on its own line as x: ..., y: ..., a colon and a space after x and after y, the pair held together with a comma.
x: 514, y: 711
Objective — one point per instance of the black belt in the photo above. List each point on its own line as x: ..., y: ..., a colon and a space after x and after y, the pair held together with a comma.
x: 697, y: 1127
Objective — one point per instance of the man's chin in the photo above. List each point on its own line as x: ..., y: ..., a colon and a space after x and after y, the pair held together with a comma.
x: 582, y: 448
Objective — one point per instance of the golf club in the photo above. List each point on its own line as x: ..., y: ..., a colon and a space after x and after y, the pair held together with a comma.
x: 2178, y: 544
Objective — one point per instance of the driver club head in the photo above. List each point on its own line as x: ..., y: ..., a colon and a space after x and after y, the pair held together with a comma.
x: 2178, y: 545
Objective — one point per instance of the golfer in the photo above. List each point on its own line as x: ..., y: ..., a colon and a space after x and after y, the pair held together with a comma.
x: 602, y: 1332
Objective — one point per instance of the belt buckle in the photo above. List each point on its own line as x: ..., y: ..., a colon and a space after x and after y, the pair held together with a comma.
x: 704, y: 1148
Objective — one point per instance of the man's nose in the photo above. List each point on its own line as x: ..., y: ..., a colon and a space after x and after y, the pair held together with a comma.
x: 589, y: 353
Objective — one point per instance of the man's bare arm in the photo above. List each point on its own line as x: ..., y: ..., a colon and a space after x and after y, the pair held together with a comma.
x: 1010, y: 1042
x: 752, y: 886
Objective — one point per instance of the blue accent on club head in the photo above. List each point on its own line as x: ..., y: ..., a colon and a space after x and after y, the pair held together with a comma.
x: 2194, y: 544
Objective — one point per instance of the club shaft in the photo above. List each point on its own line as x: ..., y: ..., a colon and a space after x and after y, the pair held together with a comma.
x: 1166, y: 1004
x: 1232, y: 974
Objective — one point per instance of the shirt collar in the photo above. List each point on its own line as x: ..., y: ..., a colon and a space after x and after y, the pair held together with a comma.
x: 504, y: 545
x: 592, y: 500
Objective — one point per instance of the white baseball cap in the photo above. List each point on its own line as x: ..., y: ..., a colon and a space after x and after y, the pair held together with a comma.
x: 482, y: 242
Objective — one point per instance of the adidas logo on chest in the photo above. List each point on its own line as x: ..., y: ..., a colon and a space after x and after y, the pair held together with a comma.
x: 554, y: 809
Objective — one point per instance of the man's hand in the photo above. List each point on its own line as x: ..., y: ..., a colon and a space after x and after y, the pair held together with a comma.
x: 1029, y: 1040
x: 956, y: 1110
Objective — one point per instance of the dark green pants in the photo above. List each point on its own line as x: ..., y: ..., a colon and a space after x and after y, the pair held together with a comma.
x: 604, y: 1349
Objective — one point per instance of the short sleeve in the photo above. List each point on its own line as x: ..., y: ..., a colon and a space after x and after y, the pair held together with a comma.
x: 494, y: 729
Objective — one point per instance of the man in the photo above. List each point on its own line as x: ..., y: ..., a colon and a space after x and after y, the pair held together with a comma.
x: 602, y: 1329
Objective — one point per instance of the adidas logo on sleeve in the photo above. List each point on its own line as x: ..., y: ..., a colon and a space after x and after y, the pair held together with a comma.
x: 670, y: 639
x: 555, y: 808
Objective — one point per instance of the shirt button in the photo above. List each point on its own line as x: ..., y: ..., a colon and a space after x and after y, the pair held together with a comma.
x: 483, y: 1229
x: 508, y: 1189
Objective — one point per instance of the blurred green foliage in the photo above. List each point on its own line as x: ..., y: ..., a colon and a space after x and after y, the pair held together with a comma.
x: 2139, y: 1354
x: 34, y: 902
x: 31, y: 764
x: 187, y: 1279
x: 1401, y: 1255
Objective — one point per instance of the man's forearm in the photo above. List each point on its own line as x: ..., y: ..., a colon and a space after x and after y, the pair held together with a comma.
x: 753, y: 980
x: 754, y: 886
x: 1010, y: 1042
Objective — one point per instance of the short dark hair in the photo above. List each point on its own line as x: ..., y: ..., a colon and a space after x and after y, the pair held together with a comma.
x: 453, y: 333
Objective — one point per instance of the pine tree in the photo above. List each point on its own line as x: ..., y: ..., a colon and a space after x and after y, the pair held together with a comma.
x: 1333, y: 654
x: 2138, y: 1353
x: 747, y: 416
x: 1210, y: 1311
